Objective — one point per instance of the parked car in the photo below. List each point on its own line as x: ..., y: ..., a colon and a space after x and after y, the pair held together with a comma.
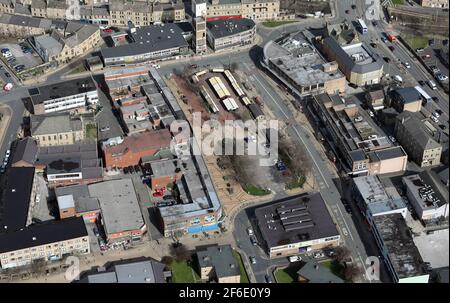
x: 434, y: 119
x: 392, y: 139
x: 168, y: 197
x: 7, y: 75
x: 374, y: 23
x: 442, y: 77
x: 268, y: 279
x: 426, y: 56
x: 8, y: 153
x: 419, y: 50
x: 5, y: 50
x: 436, y: 114
x: 435, y: 99
x: 253, y: 240
x: 250, y: 231
x: 253, y: 260
x: 318, y: 255
x: 293, y: 259
x: 386, y: 59
x: 107, y: 30
x: 348, y: 209
x: 421, y: 82
x: 96, y: 233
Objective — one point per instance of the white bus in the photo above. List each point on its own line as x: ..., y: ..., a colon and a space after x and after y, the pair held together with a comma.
x: 362, y: 26
x: 426, y: 98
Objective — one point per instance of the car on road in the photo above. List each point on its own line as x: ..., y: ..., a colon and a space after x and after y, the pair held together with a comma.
x: 7, y: 75
x: 250, y: 231
x: 406, y: 64
x: 96, y: 233
x: 386, y: 59
x: 371, y: 113
x: 374, y: 23
x: 347, y: 11
x: 421, y: 82
x: 442, y: 126
x: 435, y: 120
x: 374, y: 45
x: 348, y: 209
x: 442, y: 77
x: 435, y: 99
x: 8, y: 153
x: 252, y: 260
x: 435, y: 69
x: 392, y: 139
x: 268, y: 279
x: 432, y: 85
x: 5, y: 50
x: 353, y: 6
x: 253, y: 240
x: 392, y: 48
x: 293, y: 259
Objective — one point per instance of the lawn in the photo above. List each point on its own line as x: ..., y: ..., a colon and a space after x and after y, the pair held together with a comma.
x: 244, y: 276
x: 399, y: 2
x: 296, y: 182
x: 288, y: 274
x: 277, y: 23
x: 256, y: 191
x: 183, y: 273
x: 335, y: 267
x: 417, y: 41
x: 91, y: 131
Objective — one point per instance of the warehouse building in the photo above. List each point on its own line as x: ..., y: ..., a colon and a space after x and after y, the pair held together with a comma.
x: 295, y: 225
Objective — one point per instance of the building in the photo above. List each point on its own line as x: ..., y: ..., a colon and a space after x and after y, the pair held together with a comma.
x: 149, y: 43
x: 48, y: 241
x: 397, y: 249
x: 406, y: 99
x: 23, y: 26
x: 360, y: 143
x: 313, y: 272
x: 62, y: 96
x: 199, y: 23
x: 66, y: 41
x: 258, y: 10
x: 164, y: 172
x: 200, y: 209
x: 297, y: 64
x: 95, y: 15
x: 75, y: 200
x: 217, y: 263
x: 143, y: 271
x: 427, y: 195
x: 57, y: 129
x: 375, y: 99
x: 296, y: 224
x: 17, y: 199
x: 374, y: 199
x: 70, y: 164
x: 121, y: 215
x: 434, y: 3
x: 134, y: 147
x: 360, y: 65
x: 25, y: 153
x: 256, y: 111
x: 433, y: 247
x: 417, y: 140
x: 230, y: 33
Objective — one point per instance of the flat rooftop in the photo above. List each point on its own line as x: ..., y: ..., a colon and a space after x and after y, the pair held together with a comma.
x: 119, y: 205
x: 376, y: 197
x: 299, y: 60
x: 80, y: 196
x: 63, y: 89
x: 15, y: 201
x: 425, y: 192
x: 298, y: 219
x: 434, y: 248
x: 403, y: 253
x: 229, y: 27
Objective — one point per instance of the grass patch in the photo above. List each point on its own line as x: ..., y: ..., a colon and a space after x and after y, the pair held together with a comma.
x: 335, y: 267
x: 183, y: 273
x: 277, y: 23
x: 244, y: 276
x: 256, y: 191
x: 288, y: 274
x: 77, y: 69
x: 417, y: 41
x: 398, y: 2
x: 296, y: 182
x: 91, y: 131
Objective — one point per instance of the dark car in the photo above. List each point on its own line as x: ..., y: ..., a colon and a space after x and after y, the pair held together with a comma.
x: 348, y: 208
x: 442, y: 126
x: 353, y: 6
x: 374, y: 23
x: 347, y: 11
x: 386, y: 59
x: 435, y: 99
x: 392, y: 48
x: 7, y: 75
x: 268, y: 279
x: 421, y: 82
x: 439, y: 111
x: 137, y: 168
x: 374, y: 45
x: 168, y: 197
x: 125, y: 170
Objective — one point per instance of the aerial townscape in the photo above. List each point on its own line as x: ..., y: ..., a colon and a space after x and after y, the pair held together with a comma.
x: 224, y: 141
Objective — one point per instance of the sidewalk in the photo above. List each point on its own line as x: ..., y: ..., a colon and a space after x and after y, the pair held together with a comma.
x: 4, y: 123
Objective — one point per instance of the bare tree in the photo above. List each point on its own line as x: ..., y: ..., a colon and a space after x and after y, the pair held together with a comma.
x: 296, y: 155
x: 341, y: 254
x: 352, y: 271
x: 167, y: 260
x: 180, y: 252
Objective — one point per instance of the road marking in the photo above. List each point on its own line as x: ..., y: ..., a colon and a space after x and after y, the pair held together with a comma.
x: 345, y: 222
x: 294, y: 127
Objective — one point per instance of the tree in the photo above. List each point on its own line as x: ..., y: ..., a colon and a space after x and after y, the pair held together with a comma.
x: 180, y: 252
x: 341, y: 254
x: 351, y: 271
x: 37, y: 266
x: 167, y: 260
x: 296, y: 155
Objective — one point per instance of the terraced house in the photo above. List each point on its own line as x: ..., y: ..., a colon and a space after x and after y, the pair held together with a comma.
x: 252, y: 9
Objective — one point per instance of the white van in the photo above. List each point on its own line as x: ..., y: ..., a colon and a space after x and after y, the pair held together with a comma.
x: 432, y: 85
x: 293, y: 259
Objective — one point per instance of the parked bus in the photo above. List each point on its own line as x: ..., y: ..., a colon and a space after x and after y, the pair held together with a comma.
x: 200, y: 73
x: 426, y: 98
x: 218, y: 70
x: 362, y: 26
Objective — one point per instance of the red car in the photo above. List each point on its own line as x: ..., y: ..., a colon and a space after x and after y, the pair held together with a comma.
x: 158, y: 194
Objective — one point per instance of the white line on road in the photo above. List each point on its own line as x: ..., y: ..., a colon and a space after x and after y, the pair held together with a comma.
x: 345, y: 222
